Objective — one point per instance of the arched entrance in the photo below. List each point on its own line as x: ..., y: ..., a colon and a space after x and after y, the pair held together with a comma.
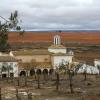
x: 4, y: 75
x: 32, y: 72
x: 51, y: 71
x: 45, y: 74
x: 22, y: 73
x: 45, y: 71
x: 38, y: 71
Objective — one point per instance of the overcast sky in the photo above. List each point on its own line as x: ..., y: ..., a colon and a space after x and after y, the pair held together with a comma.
x: 54, y: 14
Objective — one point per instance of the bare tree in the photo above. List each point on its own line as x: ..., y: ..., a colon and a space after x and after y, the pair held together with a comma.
x: 98, y: 66
x: 0, y: 94
x: 59, y: 70
x: 85, y: 74
x: 38, y: 78
x: 30, y: 96
x: 57, y: 80
x: 17, y: 95
x: 70, y: 72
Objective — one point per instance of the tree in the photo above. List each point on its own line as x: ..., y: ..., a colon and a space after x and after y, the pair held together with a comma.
x: 11, y: 23
x: 98, y: 66
x: 38, y: 78
x: 0, y: 94
x: 17, y: 95
x: 70, y: 72
x: 30, y: 96
x: 59, y: 70
x: 9, y: 68
x: 85, y: 74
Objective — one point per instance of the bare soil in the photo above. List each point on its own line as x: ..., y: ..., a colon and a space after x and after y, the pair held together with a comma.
x: 83, y: 90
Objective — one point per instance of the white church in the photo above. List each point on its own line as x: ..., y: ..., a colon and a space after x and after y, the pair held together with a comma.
x: 59, y: 53
x: 48, y: 59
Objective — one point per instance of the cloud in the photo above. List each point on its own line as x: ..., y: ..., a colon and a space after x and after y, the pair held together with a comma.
x: 54, y: 14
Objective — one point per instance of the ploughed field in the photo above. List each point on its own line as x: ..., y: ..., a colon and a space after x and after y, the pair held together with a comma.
x: 70, y: 37
x: 87, y: 54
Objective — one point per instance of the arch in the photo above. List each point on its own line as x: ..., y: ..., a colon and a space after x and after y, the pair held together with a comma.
x: 51, y: 71
x: 4, y: 75
x: 32, y: 72
x: 38, y: 71
x: 45, y: 71
x: 57, y: 40
x: 22, y: 73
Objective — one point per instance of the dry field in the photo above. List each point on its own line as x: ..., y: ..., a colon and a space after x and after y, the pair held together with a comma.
x: 83, y: 90
x: 88, y: 55
x: 73, y: 37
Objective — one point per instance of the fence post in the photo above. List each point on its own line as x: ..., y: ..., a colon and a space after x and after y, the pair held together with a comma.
x: 17, y: 96
x: 0, y: 94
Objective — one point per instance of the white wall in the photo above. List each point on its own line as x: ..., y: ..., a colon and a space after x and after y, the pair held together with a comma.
x: 57, y: 50
x: 96, y: 62
x: 88, y: 69
x: 15, y: 69
x: 14, y: 66
x: 56, y: 60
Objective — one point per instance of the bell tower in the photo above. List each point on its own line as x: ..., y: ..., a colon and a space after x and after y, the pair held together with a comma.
x: 57, y: 47
x: 57, y: 40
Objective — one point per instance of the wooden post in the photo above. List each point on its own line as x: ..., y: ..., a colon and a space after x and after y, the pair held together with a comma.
x: 38, y: 80
x: 57, y: 81
x: 0, y: 94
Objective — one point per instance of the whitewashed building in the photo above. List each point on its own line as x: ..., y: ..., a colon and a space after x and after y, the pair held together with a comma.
x: 96, y: 62
x: 88, y: 69
x: 49, y: 59
x: 60, y: 53
x: 8, y: 65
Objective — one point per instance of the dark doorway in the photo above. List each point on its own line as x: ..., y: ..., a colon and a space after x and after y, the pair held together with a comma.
x: 4, y: 75
x: 32, y: 72
x: 51, y: 71
x: 38, y: 71
x: 22, y: 73
x: 45, y: 71
x: 45, y: 74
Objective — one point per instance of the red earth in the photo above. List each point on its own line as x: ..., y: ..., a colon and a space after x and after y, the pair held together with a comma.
x: 73, y: 37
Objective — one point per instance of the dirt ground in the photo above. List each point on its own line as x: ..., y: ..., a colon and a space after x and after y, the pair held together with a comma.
x: 83, y: 90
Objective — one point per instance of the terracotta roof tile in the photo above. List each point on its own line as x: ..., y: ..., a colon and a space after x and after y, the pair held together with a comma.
x: 57, y: 46
x: 31, y: 52
x: 7, y: 59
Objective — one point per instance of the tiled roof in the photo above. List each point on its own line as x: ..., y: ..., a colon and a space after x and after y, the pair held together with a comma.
x: 36, y: 65
x: 57, y: 47
x: 31, y: 52
x: 61, y: 54
x: 7, y: 59
x: 44, y: 65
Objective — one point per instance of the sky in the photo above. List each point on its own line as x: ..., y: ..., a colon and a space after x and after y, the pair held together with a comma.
x: 54, y: 14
